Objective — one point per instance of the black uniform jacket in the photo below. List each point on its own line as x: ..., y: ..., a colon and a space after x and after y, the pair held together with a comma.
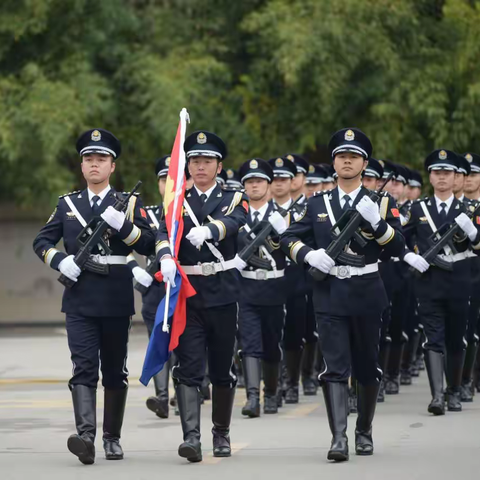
x: 223, y: 213
x: 435, y: 282
x: 96, y: 295
x: 271, y: 291
x: 357, y: 295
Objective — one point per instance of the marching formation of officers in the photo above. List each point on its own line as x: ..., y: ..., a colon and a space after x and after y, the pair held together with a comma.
x: 311, y: 274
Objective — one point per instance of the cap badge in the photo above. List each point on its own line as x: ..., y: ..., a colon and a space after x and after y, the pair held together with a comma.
x: 311, y: 169
x: 290, y: 157
x: 253, y: 164
x: 230, y: 173
x: 349, y: 135
x: 469, y: 158
x: 96, y: 136
x: 167, y: 161
x: 442, y: 155
x: 201, y: 138
x: 279, y: 162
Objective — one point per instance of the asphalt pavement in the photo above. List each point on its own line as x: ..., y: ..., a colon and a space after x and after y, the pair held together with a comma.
x: 36, y: 419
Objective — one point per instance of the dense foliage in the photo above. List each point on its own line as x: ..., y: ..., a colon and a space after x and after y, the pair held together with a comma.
x: 269, y: 76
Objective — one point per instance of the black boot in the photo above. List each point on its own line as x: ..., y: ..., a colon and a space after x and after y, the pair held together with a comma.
x: 413, y: 348
x: 392, y: 378
x: 454, y: 370
x: 367, y: 400
x: 252, y: 373
x: 281, y: 369
x: 406, y: 363
x: 113, y: 411
x: 434, y: 363
x: 292, y: 360
x: 159, y: 403
x: 467, y: 377
x: 270, y: 381
x: 352, y: 396
x: 335, y: 395
x: 82, y: 444
x: 222, y: 407
x: 188, y: 401
x: 383, y: 357
x: 308, y: 363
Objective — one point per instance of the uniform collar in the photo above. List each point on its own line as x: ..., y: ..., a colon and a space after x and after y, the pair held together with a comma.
x: 207, y: 193
x: 448, y: 202
x: 352, y: 195
x: 286, y: 205
x: 262, y: 210
x: 102, y: 194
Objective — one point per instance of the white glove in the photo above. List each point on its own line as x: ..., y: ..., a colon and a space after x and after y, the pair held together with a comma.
x: 466, y: 225
x: 168, y: 269
x: 277, y: 222
x: 114, y: 218
x: 320, y: 260
x: 369, y: 211
x: 239, y: 263
x: 142, y: 277
x: 417, y: 262
x: 69, y: 268
x: 197, y: 235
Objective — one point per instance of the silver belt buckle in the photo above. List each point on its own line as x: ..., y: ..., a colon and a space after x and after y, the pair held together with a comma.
x: 261, y: 274
x: 208, y: 269
x: 344, y: 271
x: 97, y: 258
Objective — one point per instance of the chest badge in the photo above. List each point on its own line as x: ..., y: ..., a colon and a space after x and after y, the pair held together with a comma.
x: 71, y: 216
x: 322, y: 217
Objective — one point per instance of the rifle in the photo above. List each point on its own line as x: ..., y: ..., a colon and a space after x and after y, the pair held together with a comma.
x: 352, y: 222
x: 438, y: 242
x: 151, y: 269
x: 95, y: 233
x: 258, y: 236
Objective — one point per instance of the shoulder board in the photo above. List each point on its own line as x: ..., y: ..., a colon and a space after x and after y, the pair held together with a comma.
x: 128, y: 193
x: 323, y: 192
x: 151, y: 207
x: 69, y: 193
x: 384, y: 194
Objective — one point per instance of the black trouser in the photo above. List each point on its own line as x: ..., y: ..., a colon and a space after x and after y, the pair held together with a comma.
x: 209, y: 329
x: 261, y: 329
x: 445, y: 323
x: 98, y: 342
x: 295, y: 322
x: 311, y: 330
x: 349, y: 343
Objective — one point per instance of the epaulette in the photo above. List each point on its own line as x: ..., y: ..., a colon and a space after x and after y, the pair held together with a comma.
x: 128, y: 193
x: 69, y: 193
x: 323, y: 192
x: 151, y: 207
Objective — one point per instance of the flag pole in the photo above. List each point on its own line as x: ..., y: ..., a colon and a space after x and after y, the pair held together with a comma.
x: 184, y: 118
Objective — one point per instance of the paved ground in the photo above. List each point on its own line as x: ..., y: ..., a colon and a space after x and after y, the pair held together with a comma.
x: 36, y: 419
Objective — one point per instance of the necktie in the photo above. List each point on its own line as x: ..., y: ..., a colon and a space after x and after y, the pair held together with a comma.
x: 255, y: 218
x: 443, y: 212
x: 347, y: 201
x: 95, y: 205
x: 203, y: 197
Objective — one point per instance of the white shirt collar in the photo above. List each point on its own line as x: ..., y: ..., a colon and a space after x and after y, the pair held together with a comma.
x: 102, y: 194
x: 448, y: 201
x: 462, y: 198
x: 207, y: 193
x: 352, y: 195
x: 262, y: 210
x: 286, y: 205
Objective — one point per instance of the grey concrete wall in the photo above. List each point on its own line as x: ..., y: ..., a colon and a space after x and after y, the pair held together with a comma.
x: 29, y: 291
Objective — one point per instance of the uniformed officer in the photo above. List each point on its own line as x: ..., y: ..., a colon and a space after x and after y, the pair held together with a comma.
x: 284, y: 172
x: 261, y: 312
x: 443, y: 295
x: 212, y: 219
x: 373, y: 174
x: 98, y: 307
x: 222, y: 178
x: 348, y: 330
x: 155, y: 293
x: 470, y: 199
x: 314, y: 181
x: 460, y: 177
x: 415, y: 184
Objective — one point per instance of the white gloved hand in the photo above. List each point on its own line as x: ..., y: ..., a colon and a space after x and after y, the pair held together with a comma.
x: 239, y: 263
x: 197, y: 235
x: 142, y: 277
x: 168, y: 268
x: 277, y: 222
x: 320, y: 260
x: 69, y: 268
x: 466, y: 225
x: 417, y: 262
x: 114, y: 218
x: 369, y: 210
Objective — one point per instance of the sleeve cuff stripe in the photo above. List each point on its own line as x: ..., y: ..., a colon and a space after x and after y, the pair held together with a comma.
x: 387, y: 236
x: 295, y: 249
x: 49, y: 255
x: 161, y: 245
x: 134, y: 236
x: 222, y: 230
